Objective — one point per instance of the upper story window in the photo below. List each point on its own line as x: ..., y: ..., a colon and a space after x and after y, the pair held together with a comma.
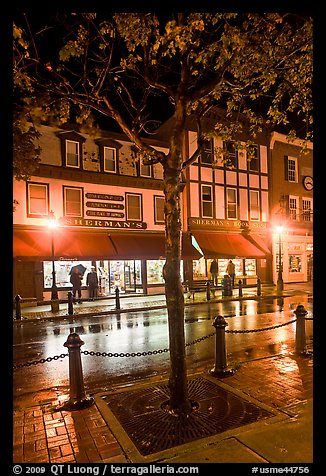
x: 109, y: 155
x: 134, y: 206
x: 307, y: 209
x: 158, y: 209
x: 291, y: 169
x: 230, y: 155
x: 293, y: 207
x: 72, y: 149
x: 231, y: 203
x: 206, y: 201
x: 145, y: 170
x: 207, y: 154
x: 37, y: 199
x: 73, y: 201
x: 254, y: 205
x: 253, y: 158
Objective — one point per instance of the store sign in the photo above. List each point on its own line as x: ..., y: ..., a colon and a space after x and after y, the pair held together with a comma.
x: 104, y: 196
x: 215, y: 224
x: 92, y: 222
x: 117, y: 206
x: 100, y: 213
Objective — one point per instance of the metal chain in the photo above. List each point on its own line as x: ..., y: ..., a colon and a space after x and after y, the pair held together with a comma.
x: 41, y: 361
x: 259, y: 330
x: 150, y: 352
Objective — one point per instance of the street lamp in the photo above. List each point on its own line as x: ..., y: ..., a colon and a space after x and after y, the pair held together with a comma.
x: 280, y: 284
x: 52, y: 224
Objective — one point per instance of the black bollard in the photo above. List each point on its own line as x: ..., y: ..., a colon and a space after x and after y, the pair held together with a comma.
x: 220, y: 368
x: 240, y: 288
x: 300, y: 334
x: 70, y: 303
x: 77, y: 396
x: 208, y: 290
x: 258, y: 286
x: 117, y: 298
x: 18, y: 307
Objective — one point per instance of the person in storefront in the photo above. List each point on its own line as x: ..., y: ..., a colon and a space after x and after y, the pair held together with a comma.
x: 213, y: 270
x: 92, y: 283
x: 231, y: 271
x: 76, y: 279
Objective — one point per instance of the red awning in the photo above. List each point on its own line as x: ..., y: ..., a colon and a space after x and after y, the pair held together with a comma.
x: 227, y: 245
x: 88, y: 244
x: 259, y: 241
x: 148, y: 246
x: 67, y: 244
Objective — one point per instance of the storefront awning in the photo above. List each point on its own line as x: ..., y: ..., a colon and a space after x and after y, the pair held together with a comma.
x: 93, y: 245
x: 258, y: 241
x: 29, y: 244
x: 227, y: 245
x: 148, y: 246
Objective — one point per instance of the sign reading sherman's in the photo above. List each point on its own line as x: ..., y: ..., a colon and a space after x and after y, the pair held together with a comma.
x: 90, y: 222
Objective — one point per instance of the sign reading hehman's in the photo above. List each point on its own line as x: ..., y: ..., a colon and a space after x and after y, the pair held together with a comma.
x: 92, y: 222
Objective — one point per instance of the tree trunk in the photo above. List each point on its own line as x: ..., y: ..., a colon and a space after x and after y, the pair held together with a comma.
x: 179, y: 402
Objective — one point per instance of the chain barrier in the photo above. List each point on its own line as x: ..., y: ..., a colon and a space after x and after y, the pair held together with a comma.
x: 41, y: 361
x: 150, y: 352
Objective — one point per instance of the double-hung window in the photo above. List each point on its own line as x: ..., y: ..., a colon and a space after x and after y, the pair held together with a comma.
x: 72, y: 149
x: 37, y: 199
x: 207, y: 154
x: 293, y: 207
x: 306, y: 209
x: 158, y: 209
x: 231, y: 203
x: 109, y: 159
x: 230, y: 155
x: 253, y: 158
x: 254, y: 204
x: 134, y: 206
x: 73, y: 201
x: 291, y: 169
x: 207, y: 201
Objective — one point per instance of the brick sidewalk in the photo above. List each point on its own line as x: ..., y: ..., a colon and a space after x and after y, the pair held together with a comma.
x: 44, y: 434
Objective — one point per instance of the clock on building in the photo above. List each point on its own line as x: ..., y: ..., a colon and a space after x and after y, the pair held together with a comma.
x: 308, y: 182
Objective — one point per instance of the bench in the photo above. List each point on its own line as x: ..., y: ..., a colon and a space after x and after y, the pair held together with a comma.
x: 200, y: 286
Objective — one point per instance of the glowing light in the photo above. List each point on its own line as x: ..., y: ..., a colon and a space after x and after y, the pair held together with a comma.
x: 52, y: 221
x: 279, y: 229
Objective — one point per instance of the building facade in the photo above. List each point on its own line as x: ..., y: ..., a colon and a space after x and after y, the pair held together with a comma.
x: 291, y: 205
x: 110, y: 214
x: 227, y: 208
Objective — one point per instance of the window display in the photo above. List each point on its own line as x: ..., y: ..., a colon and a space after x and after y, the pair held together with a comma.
x: 155, y: 271
x: 250, y: 264
x: 294, y: 264
x: 62, y: 272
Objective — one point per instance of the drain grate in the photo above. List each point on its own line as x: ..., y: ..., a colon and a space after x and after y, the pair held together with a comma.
x: 152, y: 429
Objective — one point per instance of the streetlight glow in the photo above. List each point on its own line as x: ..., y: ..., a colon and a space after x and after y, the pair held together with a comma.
x: 279, y: 229
x: 52, y: 221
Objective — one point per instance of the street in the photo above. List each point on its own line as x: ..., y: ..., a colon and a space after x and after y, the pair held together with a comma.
x: 144, y: 331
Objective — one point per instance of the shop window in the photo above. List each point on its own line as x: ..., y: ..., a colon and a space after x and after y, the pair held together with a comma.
x: 306, y: 209
x: 291, y: 169
x: 158, y: 209
x: 294, y: 264
x: 207, y: 154
x: 254, y: 205
x: 155, y: 271
x: 230, y: 155
x: 62, y: 272
x: 134, y: 206
x: 37, y: 199
x: 73, y: 203
x: 231, y: 203
x: 253, y: 158
x: 206, y: 201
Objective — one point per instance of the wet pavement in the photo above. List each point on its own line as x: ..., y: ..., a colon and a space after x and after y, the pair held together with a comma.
x: 281, y: 383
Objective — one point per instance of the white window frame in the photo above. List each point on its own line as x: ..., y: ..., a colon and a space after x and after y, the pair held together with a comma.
x: 292, y: 171
x: 307, y: 209
x: 156, y: 218
x: 113, y: 160
x: 68, y: 141
x: 204, y: 201
x: 140, y: 214
x: 45, y: 186
x: 293, y: 210
x: 66, y: 213
x: 234, y: 204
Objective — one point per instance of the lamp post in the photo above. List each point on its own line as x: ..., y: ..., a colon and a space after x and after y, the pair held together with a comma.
x: 280, y: 284
x: 52, y: 224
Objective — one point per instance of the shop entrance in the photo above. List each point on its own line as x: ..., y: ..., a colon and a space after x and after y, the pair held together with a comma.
x: 124, y: 274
